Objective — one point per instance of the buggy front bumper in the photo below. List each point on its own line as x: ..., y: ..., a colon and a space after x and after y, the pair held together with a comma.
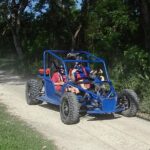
x: 107, y: 106
x: 99, y: 111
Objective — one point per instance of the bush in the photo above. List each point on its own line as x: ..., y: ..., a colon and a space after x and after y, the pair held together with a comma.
x: 133, y: 72
x: 145, y: 97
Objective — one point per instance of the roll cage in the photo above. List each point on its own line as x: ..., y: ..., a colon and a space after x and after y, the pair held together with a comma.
x: 55, y: 53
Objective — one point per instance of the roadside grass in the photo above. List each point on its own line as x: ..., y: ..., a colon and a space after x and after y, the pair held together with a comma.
x: 16, y: 135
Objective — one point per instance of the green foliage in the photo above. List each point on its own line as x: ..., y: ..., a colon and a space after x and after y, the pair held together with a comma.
x: 133, y: 72
x: 145, y: 97
x: 138, y: 60
x: 109, y: 25
x: 16, y: 135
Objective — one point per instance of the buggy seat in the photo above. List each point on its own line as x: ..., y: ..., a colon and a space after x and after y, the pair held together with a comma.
x: 41, y: 71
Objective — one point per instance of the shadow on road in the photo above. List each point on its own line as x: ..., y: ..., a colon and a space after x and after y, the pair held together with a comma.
x: 92, y: 118
x: 8, y: 77
x: 104, y: 117
x: 50, y: 107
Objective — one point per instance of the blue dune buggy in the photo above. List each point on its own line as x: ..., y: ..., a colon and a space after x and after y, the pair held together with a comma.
x: 99, y: 98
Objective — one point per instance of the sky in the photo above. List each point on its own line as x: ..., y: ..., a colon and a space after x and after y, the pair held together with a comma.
x: 79, y: 3
x: 29, y: 9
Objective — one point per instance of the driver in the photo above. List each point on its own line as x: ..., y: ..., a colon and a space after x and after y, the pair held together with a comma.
x: 59, y: 78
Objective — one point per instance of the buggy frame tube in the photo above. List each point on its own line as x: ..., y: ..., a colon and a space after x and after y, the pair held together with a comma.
x: 53, y: 54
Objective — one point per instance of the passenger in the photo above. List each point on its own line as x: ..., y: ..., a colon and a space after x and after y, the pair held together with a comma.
x: 97, y: 73
x: 79, y: 74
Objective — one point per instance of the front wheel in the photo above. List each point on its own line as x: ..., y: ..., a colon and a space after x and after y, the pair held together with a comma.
x: 130, y: 101
x: 69, y: 108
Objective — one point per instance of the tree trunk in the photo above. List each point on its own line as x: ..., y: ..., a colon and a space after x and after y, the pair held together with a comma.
x: 16, y: 9
x: 17, y: 44
x: 74, y: 37
x: 84, y: 22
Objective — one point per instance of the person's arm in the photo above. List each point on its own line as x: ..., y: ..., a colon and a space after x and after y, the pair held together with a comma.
x: 73, y: 74
x: 59, y: 83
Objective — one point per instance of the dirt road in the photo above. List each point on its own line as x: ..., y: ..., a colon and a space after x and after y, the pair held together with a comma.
x: 103, y: 133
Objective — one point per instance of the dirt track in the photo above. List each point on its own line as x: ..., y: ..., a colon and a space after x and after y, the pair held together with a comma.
x: 103, y: 133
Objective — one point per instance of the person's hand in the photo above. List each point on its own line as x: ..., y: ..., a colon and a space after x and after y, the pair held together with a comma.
x: 102, y: 78
x: 61, y: 83
x: 100, y: 71
x: 74, y: 70
x: 94, y: 72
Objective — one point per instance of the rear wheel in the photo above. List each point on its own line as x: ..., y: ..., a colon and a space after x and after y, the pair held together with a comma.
x: 129, y: 99
x: 33, y: 88
x: 69, y: 108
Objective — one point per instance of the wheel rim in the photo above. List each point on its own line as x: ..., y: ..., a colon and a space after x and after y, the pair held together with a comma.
x: 65, y: 108
x: 125, y: 101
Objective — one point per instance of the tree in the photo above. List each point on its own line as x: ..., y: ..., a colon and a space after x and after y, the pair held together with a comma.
x: 140, y: 9
x: 110, y: 28
x: 145, y: 20
x: 12, y: 12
